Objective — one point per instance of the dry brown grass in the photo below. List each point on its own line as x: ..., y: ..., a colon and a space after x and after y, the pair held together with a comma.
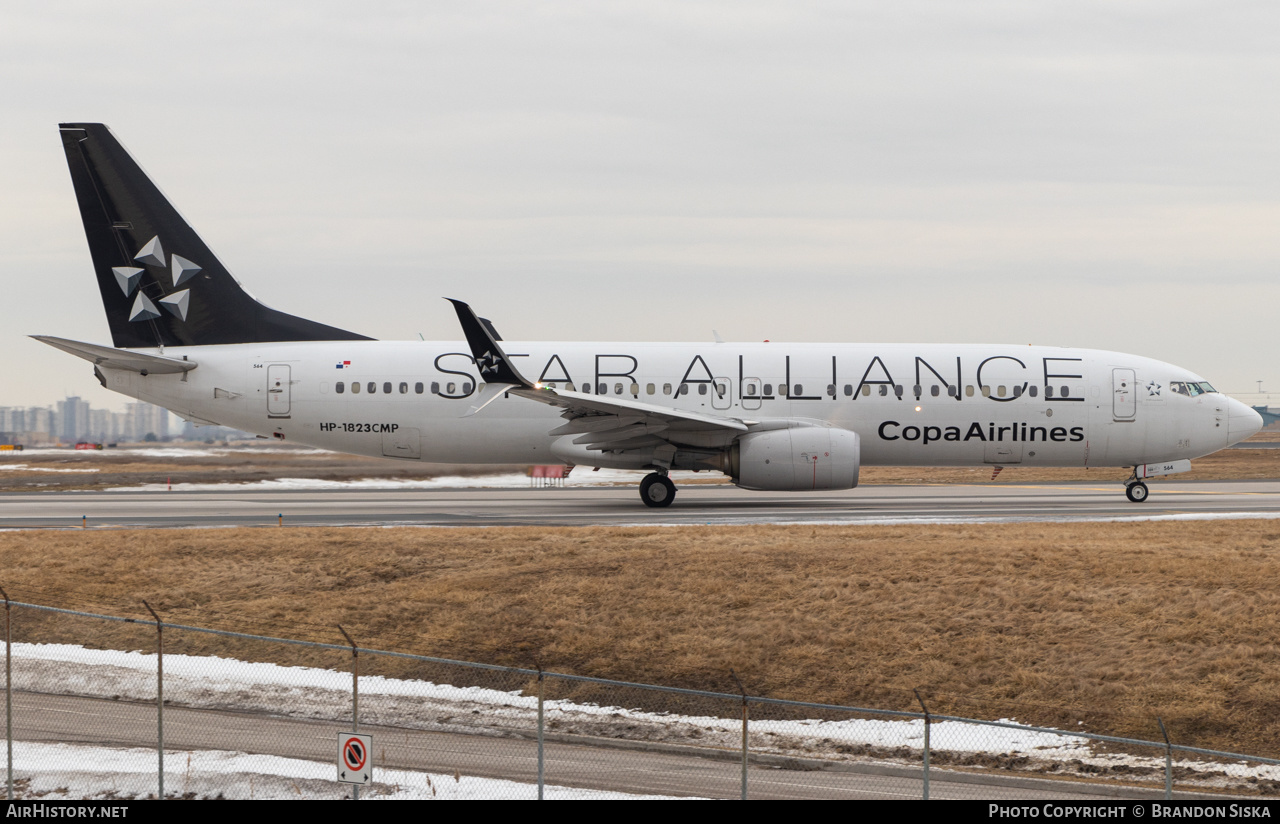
x: 1109, y: 624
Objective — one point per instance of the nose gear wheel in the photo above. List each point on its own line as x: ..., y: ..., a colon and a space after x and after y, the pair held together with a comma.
x: 1136, y: 492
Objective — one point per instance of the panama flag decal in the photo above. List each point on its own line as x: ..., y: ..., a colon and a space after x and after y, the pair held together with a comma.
x: 344, y: 364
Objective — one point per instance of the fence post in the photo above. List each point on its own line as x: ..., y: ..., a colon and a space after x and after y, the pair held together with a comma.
x: 8, y: 694
x: 744, y: 732
x: 538, y: 663
x: 159, y: 693
x: 1168, y: 760
x: 928, y: 722
x: 355, y: 696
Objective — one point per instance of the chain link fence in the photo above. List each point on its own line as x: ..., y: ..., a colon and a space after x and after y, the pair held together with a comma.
x: 119, y: 708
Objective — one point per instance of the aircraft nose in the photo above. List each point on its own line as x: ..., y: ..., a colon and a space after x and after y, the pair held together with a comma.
x: 1242, y: 422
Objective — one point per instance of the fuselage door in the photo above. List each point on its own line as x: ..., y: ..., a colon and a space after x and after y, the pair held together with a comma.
x: 278, y: 390
x: 751, y: 389
x: 1124, y: 397
x: 721, y: 394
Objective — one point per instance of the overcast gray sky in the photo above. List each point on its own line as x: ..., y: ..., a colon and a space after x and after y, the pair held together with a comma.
x: 1080, y: 174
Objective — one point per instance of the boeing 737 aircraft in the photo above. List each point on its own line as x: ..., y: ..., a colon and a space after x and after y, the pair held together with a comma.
x: 771, y: 416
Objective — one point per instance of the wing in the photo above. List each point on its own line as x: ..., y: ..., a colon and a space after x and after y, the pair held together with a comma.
x: 601, y: 422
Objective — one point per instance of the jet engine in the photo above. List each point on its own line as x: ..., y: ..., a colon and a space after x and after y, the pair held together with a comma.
x: 796, y: 459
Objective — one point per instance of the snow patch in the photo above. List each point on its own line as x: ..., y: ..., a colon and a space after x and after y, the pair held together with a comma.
x: 68, y: 771
x: 511, y: 480
x: 309, y: 692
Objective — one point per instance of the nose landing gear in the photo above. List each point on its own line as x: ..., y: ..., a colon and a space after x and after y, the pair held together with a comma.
x: 1134, y: 489
x: 1136, y: 492
x: 656, y: 490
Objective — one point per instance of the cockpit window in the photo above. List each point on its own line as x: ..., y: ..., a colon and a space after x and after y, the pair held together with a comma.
x: 1191, y: 388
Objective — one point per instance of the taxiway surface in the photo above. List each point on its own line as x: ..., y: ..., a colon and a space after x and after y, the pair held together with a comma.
x: 613, y: 506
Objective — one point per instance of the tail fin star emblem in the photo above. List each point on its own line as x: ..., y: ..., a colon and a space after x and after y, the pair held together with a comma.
x: 493, y: 363
x: 488, y: 363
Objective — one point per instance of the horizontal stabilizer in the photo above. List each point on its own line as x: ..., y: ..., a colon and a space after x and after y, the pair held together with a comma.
x: 139, y: 362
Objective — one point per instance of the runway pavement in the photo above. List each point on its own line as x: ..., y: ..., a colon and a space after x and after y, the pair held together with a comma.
x: 621, y: 506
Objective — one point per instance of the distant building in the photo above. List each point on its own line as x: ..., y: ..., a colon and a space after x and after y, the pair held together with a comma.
x: 147, y: 422
x: 74, y: 421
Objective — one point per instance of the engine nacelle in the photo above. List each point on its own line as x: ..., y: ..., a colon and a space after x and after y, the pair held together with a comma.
x: 795, y: 460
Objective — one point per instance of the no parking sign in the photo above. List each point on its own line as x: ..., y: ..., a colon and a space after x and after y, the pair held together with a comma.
x: 355, y: 759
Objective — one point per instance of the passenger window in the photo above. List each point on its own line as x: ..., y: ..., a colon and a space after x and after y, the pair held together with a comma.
x: 702, y: 389
x: 569, y: 386
x: 782, y: 390
x: 1065, y: 391
x: 451, y: 388
x: 831, y: 390
x: 986, y: 391
x: 635, y: 390
x: 848, y: 390
x: 617, y: 389
x: 1000, y: 391
x: 1017, y: 391
x: 404, y: 388
x: 953, y: 391
x: 1031, y: 390
x: 935, y: 391
x: 339, y: 387
x: 884, y: 390
x: 372, y: 387
x: 721, y: 388
x: 417, y: 388
x: 866, y: 390
x: 968, y: 391
x: 466, y: 387
x: 768, y: 389
x: 550, y: 385
x: 897, y: 390
x: 915, y: 390
x: 602, y: 389
x: 435, y: 388
x: 355, y: 387
x: 751, y: 390
x: 797, y: 389
x: 386, y: 388
x: 666, y: 389
x: 649, y: 389
x: 1048, y: 391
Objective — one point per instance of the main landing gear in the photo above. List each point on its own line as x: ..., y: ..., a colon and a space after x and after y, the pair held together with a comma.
x: 656, y: 490
x: 1135, y: 490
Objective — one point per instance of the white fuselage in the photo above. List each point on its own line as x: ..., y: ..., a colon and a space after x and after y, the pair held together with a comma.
x: 927, y: 405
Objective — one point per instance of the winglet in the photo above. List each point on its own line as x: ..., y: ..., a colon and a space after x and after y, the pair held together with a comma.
x: 495, y: 367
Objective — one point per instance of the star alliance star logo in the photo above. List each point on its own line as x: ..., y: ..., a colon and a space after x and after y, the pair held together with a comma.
x: 488, y: 363
x: 1153, y: 389
x: 175, y: 303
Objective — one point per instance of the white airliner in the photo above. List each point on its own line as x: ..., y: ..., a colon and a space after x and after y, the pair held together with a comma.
x: 770, y: 416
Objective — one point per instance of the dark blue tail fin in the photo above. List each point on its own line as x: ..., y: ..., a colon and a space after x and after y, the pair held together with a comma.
x: 161, y: 286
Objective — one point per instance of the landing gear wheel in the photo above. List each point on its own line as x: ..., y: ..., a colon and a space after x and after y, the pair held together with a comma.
x: 1136, y: 492
x: 657, y: 490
